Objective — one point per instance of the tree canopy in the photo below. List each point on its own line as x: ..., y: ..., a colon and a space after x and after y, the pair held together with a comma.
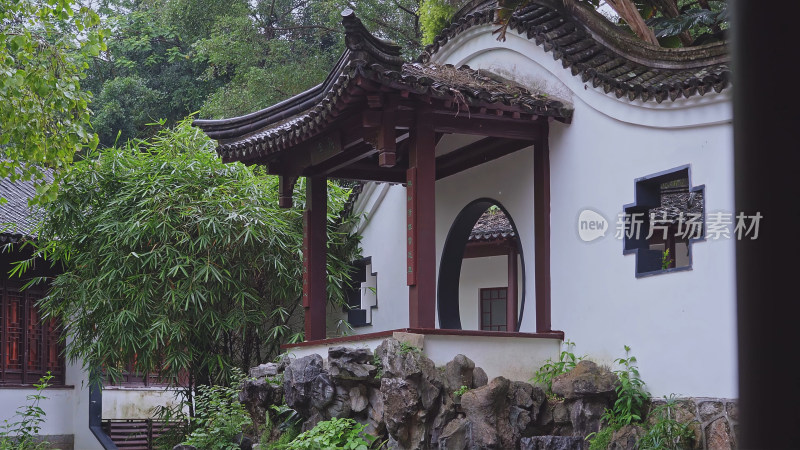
x: 45, y: 46
x: 178, y: 262
x: 168, y: 59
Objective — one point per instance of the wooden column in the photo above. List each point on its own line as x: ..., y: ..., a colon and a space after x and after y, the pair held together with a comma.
x: 541, y: 225
x: 421, y: 215
x: 511, y: 297
x: 315, y: 298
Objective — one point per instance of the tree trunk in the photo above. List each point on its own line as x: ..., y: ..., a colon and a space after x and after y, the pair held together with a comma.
x: 630, y: 14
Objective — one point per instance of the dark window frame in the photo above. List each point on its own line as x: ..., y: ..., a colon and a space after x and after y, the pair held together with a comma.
x: 647, y: 195
x: 47, y: 336
x: 356, y: 316
x: 491, y: 327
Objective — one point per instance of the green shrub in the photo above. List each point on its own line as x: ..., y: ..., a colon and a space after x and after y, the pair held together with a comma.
x: 21, y: 435
x: 460, y: 391
x: 334, y: 434
x: 406, y: 348
x: 601, y: 439
x: 286, y: 438
x: 219, y: 418
x: 629, y: 406
x: 665, y: 432
x: 550, y: 369
x: 631, y: 394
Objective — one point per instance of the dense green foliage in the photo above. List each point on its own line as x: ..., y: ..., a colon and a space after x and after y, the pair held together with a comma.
x: 700, y: 22
x: 178, y: 262
x: 220, y: 417
x: 334, y: 434
x: 148, y: 72
x: 664, y: 432
x: 631, y: 394
x: 21, y: 434
x: 434, y: 15
x: 167, y: 59
x: 44, y: 113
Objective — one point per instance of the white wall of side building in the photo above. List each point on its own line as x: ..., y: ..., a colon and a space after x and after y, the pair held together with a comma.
x: 680, y: 325
x: 66, y: 408
x: 383, y: 238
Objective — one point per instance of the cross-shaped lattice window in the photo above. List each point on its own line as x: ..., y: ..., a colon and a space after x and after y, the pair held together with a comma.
x: 666, y: 217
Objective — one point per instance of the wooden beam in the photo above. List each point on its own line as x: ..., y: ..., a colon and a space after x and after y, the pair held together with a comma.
x: 483, y: 249
x: 485, y: 125
x: 370, y: 174
x: 511, y: 294
x: 421, y: 211
x: 541, y: 226
x: 315, y: 298
x: 285, y: 190
x: 342, y: 160
x: 476, y: 153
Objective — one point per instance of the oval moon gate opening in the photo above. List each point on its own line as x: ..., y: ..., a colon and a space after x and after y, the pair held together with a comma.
x: 482, y: 271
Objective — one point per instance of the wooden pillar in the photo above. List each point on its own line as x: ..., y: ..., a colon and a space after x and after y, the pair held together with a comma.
x: 421, y: 215
x: 315, y: 298
x: 511, y: 297
x: 541, y: 225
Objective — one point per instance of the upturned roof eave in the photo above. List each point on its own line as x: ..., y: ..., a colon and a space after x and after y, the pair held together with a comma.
x: 575, y: 34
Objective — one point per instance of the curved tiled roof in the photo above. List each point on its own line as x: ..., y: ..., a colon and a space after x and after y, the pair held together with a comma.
x: 17, y: 219
x: 490, y: 226
x: 601, y: 53
x: 368, y: 59
x: 674, y: 204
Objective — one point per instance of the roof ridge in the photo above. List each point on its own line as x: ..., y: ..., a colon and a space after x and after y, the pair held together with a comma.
x: 584, y: 41
x: 365, y: 45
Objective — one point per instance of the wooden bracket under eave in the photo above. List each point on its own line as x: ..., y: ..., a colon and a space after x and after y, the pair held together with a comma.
x: 285, y: 190
x: 384, y: 136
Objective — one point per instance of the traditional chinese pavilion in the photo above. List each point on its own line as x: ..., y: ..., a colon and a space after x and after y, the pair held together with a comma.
x: 476, y: 162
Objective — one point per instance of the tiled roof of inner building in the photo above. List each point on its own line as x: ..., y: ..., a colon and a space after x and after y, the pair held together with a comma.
x: 492, y: 225
x: 602, y: 54
x: 675, y: 204
x: 17, y: 219
x: 369, y: 58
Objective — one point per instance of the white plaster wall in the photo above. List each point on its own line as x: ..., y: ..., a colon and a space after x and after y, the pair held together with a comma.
x: 135, y: 403
x: 489, y: 353
x: 84, y: 439
x: 477, y: 274
x: 57, y: 407
x: 681, y: 326
x: 66, y: 409
x: 383, y: 238
x: 515, y: 358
